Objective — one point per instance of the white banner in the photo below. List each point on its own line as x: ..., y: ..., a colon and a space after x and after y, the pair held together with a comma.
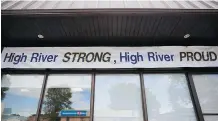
x: 110, y: 57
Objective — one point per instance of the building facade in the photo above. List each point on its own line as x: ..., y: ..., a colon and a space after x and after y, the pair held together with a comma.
x: 109, y: 60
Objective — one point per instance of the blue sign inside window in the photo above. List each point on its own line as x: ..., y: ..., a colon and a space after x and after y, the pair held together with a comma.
x: 72, y: 113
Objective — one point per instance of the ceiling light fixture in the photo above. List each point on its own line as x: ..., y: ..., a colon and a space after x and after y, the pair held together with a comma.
x: 40, y: 36
x: 187, y: 36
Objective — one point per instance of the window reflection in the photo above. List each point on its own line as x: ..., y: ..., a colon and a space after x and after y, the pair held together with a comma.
x: 207, y: 91
x: 67, y: 97
x: 168, y: 98
x: 117, y: 98
x: 20, y: 96
x: 211, y: 118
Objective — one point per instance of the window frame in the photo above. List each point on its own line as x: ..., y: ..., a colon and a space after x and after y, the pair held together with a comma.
x: 195, y: 92
x: 125, y: 72
x: 42, y: 88
x: 196, y: 110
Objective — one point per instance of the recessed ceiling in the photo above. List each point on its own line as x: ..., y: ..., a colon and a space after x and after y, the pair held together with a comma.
x: 25, y: 23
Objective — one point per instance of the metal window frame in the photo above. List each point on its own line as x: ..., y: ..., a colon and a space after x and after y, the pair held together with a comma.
x: 186, y: 71
x: 92, y: 102
x: 198, y: 103
x: 125, y: 72
x: 210, y: 114
x: 41, y: 92
x: 45, y: 85
x: 144, y: 103
x: 196, y: 70
x: 197, y: 109
x: 41, y: 97
x: 195, y: 100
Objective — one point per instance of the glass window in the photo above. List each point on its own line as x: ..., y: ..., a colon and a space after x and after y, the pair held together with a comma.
x: 67, y: 97
x: 211, y: 118
x: 207, y: 91
x: 168, y: 98
x: 20, y: 96
x: 118, y: 98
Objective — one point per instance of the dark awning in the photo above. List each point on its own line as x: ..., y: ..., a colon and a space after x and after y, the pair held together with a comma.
x: 136, y: 23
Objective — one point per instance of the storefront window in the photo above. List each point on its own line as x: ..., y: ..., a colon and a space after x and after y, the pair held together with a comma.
x: 20, y: 96
x: 207, y: 91
x: 67, y: 97
x: 118, y: 98
x: 168, y: 98
x: 211, y: 118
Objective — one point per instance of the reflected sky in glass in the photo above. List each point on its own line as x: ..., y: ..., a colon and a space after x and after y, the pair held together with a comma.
x: 22, y: 95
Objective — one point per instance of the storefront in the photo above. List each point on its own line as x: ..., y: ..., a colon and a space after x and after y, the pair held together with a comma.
x: 99, y: 64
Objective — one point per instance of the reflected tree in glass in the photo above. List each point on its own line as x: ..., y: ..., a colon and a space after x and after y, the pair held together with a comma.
x: 170, y: 98
x: 56, y: 100
x: 5, y: 88
x: 66, y: 92
x: 3, y: 92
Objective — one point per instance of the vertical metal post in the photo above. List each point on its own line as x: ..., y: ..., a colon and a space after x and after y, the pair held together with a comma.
x: 2, y: 49
x: 41, y: 97
x: 194, y: 97
x: 92, y: 97
x: 144, y: 105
